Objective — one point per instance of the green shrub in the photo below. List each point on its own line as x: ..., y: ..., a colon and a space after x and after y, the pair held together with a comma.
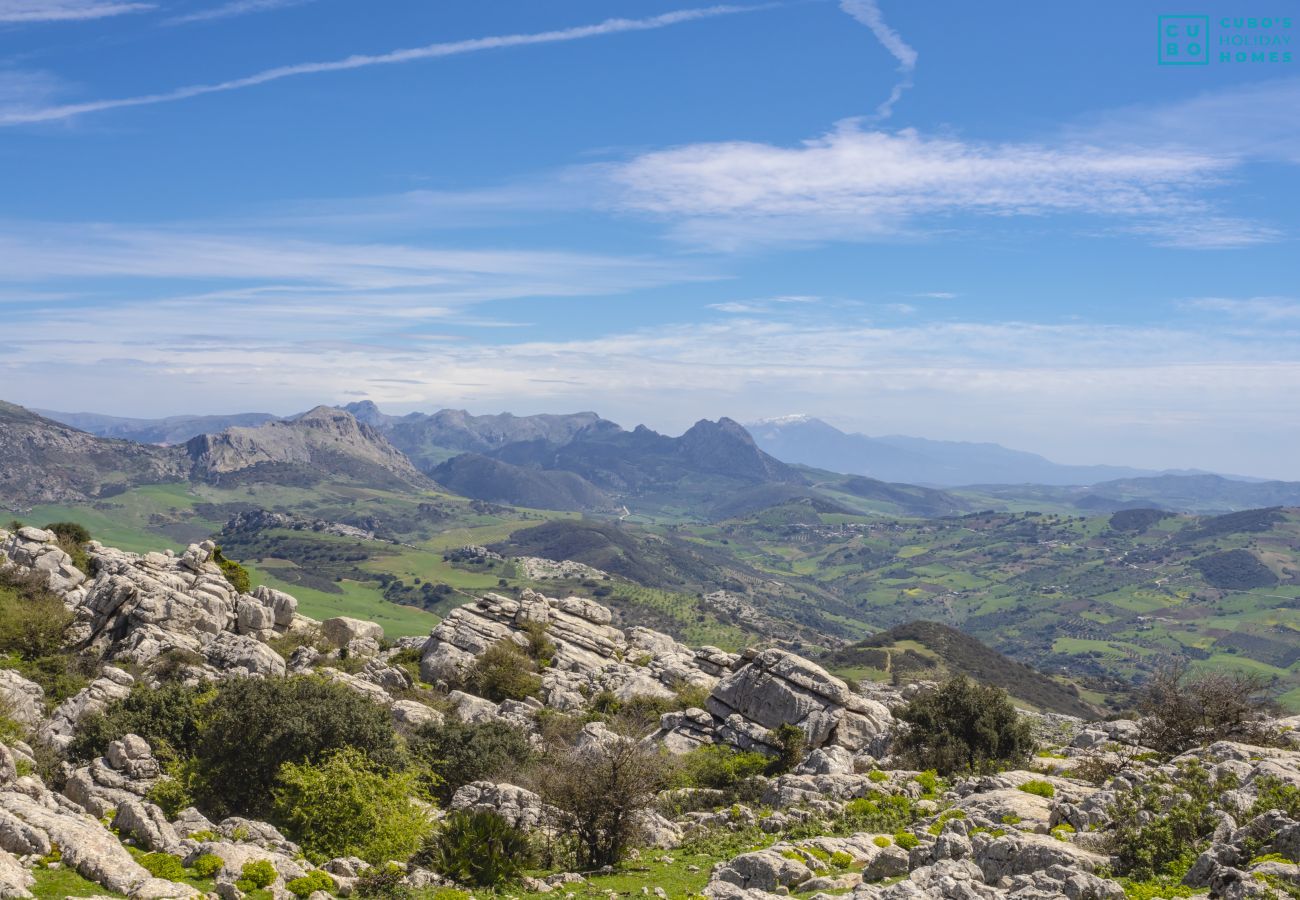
x: 255, y: 725
x: 256, y: 874
x: 479, y: 848
x: 906, y: 840
x: 168, y: 718
x: 877, y: 776
x: 163, y: 865
x: 878, y: 812
x: 1039, y: 788
x: 343, y: 806
x: 313, y: 881
x: 1274, y: 793
x: 207, y: 865
x: 881, y: 841
x: 842, y: 860
x: 929, y: 782
x: 1162, y: 826
x: 455, y: 753
x: 504, y: 672
x: 540, y: 646
x: 236, y: 574
x: 1155, y: 889
x: 33, y: 618
x: 73, y: 539
x: 965, y: 727
x: 170, y: 795
x: 382, y: 883
x: 719, y: 767
x: 790, y: 742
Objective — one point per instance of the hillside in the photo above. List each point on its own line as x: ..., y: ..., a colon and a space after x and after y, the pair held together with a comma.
x: 1102, y: 599
x: 1200, y: 494
x: 325, y: 443
x: 932, y: 651
x: 484, y: 478
x: 42, y: 461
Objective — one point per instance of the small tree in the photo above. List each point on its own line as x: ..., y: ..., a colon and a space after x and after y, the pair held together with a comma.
x: 344, y: 806
x: 790, y: 742
x: 965, y: 727
x: 601, y: 790
x: 1181, y: 711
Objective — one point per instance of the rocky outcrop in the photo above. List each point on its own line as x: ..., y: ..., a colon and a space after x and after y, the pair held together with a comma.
x: 39, y: 550
x: 126, y: 773
x: 112, y: 684
x: 518, y: 806
x: 20, y: 699
x: 590, y: 655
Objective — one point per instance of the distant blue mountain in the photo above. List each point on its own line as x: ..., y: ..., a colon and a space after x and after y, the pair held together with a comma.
x: 811, y: 442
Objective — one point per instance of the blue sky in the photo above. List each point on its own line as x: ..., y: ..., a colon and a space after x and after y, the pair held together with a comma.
x: 965, y: 221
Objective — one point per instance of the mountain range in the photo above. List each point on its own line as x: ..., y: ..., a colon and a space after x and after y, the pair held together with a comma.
x: 813, y: 442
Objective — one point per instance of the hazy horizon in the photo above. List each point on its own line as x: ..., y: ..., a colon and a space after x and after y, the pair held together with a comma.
x: 942, y: 221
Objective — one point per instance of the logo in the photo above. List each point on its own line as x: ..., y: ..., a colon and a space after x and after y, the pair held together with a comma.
x: 1198, y: 40
x: 1184, y: 40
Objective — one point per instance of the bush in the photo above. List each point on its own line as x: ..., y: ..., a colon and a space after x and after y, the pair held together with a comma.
x: 207, y: 865
x: 170, y: 795
x: 479, y: 848
x: 313, y: 881
x: 718, y: 766
x: 33, y: 618
x: 72, y: 541
x: 254, y: 726
x: 256, y: 874
x: 1039, y: 788
x: 382, y: 883
x: 168, y: 718
x: 504, y: 672
x: 1181, y: 711
x: 906, y: 840
x: 790, y: 742
x: 965, y: 727
x: 878, y: 812
x: 236, y: 574
x: 456, y: 753
x: 163, y: 865
x: 1164, y: 824
x: 343, y: 806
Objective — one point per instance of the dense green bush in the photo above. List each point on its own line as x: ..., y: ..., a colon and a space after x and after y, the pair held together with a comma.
x: 32, y: 618
x: 72, y: 541
x: 254, y: 726
x: 382, y: 883
x: 236, y: 574
x: 965, y: 727
x: 168, y: 718
x: 256, y: 874
x: 1162, y: 826
x: 720, y: 767
x: 1039, y: 788
x: 878, y: 813
x: 479, y: 848
x: 163, y: 865
x: 313, y: 881
x: 456, y: 753
x: 504, y: 672
x: 790, y: 742
x: 171, y: 796
x: 207, y: 865
x: 344, y: 806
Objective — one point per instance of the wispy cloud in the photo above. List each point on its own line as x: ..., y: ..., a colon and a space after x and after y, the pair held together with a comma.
x: 64, y: 10
x: 936, y: 295
x: 868, y: 13
x: 235, y: 8
x: 853, y: 184
x: 1256, y: 309
x: 361, y: 61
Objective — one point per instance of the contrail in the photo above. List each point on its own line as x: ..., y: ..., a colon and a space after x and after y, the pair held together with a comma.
x: 868, y: 13
x: 431, y: 51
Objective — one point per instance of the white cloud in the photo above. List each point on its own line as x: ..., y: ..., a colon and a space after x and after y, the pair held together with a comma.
x: 235, y: 8
x: 855, y: 184
x: 1259, y: 309
x: 868, y: 13
x: 361, y: 61
x: 64, y: 10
